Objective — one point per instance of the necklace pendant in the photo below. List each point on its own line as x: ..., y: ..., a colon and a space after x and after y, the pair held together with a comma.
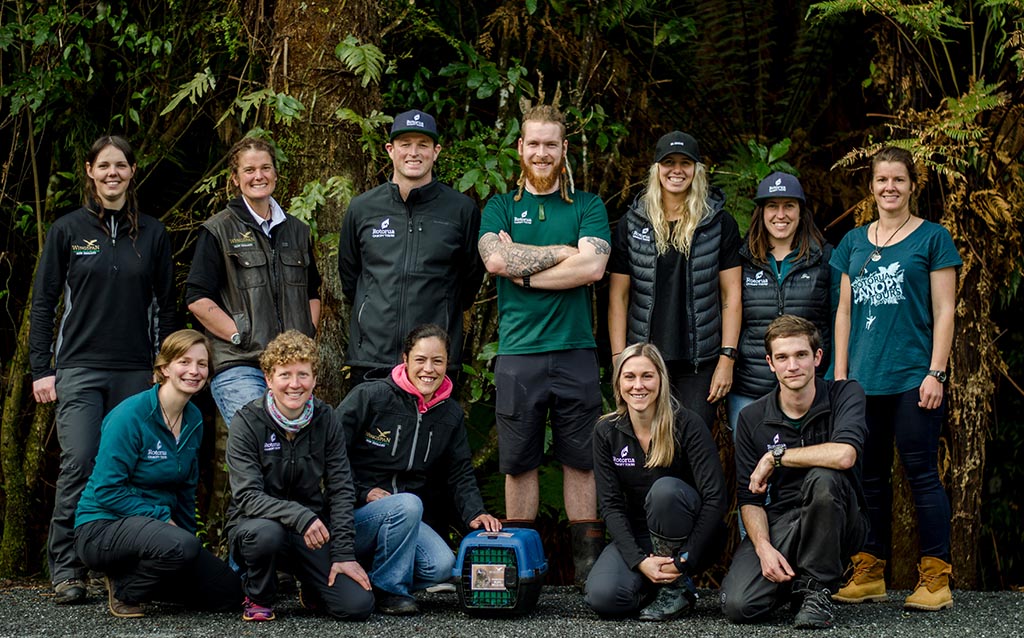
x: 875, y: 255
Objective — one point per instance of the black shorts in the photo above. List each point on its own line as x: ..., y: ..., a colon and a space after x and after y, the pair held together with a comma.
x: 564, y: 383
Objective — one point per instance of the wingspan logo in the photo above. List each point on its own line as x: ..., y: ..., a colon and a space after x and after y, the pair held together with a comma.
x: 243, y: 240
x: 87, y: 247
x: 380, y: 438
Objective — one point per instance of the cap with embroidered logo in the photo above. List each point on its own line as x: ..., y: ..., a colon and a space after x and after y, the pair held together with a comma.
x: 779, y: 184
x: 414, y: 121
x: 676, y: 142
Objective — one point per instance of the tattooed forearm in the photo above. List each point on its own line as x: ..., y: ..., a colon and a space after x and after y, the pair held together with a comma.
x: 521, y: 259
x: 601, y: 247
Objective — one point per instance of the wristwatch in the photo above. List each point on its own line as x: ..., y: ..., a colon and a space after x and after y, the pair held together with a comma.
x: 236, y: 339
x: 728, y: 352
x: 777, y: 453
x: 939, y: 374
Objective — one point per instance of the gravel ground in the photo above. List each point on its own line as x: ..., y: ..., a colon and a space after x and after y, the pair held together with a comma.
x: 27, y: 612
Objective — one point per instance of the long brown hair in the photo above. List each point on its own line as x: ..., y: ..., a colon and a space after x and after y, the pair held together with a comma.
x: 759, y: 240
x: 663, y: 445
x: 92, y: 199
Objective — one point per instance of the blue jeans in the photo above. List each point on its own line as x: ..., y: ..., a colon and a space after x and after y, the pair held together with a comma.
x: 406, y: 554
x: 236, y: 387
x: 916, y: 431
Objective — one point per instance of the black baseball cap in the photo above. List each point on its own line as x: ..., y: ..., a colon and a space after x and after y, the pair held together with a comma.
x: 414, y: 121
x: 676, y: 142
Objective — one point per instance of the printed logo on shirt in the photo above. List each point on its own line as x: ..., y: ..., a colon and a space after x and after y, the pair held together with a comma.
x: 643, y: 235
x: 87, y: 247
x: 624, y: 459
x: 757, y: 280
x: 774, y: 443
x: 882, y: 287
x: 384, y: 230
x: 272, y: 444
x: 380, y: 438
x: 158, y: 453
x: 243, y: 240
x: 523, y: 218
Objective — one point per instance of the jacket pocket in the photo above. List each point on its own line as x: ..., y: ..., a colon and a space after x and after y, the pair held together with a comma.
x: 293, y: 267
x: 251, y: 268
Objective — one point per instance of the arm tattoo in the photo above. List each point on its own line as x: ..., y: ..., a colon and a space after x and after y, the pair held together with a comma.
x: 601, y: 247
x: 521, y: 259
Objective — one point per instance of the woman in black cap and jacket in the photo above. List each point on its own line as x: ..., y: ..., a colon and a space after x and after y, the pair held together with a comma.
x: 786, y: 271
x: 675, y: 276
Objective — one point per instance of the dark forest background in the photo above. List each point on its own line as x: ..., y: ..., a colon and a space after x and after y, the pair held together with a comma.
x: 810, y: 87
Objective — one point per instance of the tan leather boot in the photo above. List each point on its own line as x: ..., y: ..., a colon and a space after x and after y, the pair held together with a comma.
x: 866, y: 584
x: 932, y: 592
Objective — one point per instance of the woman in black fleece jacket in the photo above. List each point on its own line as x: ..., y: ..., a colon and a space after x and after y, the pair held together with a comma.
x: 661, y: 491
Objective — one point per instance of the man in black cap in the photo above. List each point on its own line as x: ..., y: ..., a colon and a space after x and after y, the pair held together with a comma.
x: 407, y: 253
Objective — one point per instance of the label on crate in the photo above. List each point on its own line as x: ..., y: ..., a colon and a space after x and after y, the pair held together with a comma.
x: 487, y: 577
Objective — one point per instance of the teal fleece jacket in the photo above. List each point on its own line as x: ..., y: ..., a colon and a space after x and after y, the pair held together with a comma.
x: 140, y: 469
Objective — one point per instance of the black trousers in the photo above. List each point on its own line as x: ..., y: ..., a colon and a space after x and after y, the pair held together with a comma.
x: 613, y: 588
x: 816, y: 539
x: 260, y: 545
x: 150, y: 560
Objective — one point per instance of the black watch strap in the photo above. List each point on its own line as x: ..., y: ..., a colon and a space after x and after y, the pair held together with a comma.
x: 526, y: 281
x: 728, y: 352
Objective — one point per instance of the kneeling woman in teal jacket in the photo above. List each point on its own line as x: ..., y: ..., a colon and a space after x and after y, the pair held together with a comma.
x: 136, y: 520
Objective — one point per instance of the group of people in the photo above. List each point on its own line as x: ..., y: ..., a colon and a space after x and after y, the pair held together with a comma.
x: 341, y: 496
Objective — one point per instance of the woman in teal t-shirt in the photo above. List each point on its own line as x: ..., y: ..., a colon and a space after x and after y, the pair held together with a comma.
x: 893, y: 334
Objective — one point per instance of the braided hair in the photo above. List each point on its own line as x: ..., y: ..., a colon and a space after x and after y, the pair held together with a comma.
x: 548, y: 113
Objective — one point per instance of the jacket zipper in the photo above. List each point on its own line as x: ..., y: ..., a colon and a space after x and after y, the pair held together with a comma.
x: 415, y: 438
x: 430, y: 439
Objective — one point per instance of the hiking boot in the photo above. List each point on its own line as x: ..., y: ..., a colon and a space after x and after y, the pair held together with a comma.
x: 396, y: 604
x: 866, y: 584
x: 256, y: 612
x: 119, y: 608
x: 677, y: 598
x: 932, y: 592
x: 816, y: 610
x: 69, y: 592
x: 587, y: 544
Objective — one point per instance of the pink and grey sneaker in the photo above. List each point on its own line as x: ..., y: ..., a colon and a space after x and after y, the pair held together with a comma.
x: 255, y: 612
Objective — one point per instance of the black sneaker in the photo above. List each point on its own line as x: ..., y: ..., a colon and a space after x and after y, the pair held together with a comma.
x: 69, y: 592
x: 396, y: 605
x: 816, y: 610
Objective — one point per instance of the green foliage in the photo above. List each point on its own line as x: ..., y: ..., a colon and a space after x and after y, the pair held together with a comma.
x: 364, y: 60
x: 315, y: 194
x: 923, y: 20
x: 283, y: 108
x: 744, y: 169
x: 480, y: 380
x: 201, y: 83
x: 371, y: 126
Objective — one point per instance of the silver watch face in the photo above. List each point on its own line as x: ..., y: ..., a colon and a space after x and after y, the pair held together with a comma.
x: 236, y: 339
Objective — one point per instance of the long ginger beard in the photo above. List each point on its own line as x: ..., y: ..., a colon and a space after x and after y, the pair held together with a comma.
x: 543, y: 183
